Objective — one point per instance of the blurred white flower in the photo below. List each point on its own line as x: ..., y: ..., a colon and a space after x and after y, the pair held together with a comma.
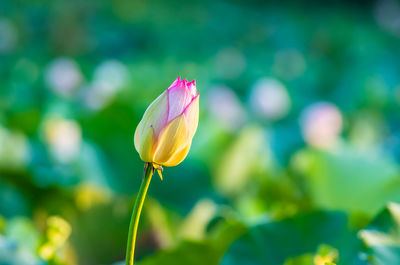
x: 230, y: 63
x: 64, y: 138
x: 321, y: 124
x: 24, y: 256
x: 226, y: 107
x: 63, y: 76
x: 8, y: 36
x: 112, y: 72
x: 109, y: 78
x: 270, y: 99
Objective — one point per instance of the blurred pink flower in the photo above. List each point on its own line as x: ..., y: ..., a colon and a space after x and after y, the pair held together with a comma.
x: 321, y: 125
x: 225, y: 106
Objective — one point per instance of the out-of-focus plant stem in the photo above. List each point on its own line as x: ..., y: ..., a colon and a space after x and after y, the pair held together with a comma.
x: 130, y: 250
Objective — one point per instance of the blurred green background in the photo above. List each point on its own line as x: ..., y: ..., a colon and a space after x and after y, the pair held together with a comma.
x: 296, y: 158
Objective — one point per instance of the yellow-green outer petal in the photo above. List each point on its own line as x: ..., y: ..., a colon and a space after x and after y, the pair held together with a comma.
x: 137, y: 137
x: 151, y: 124
x: 178, y: 157
x: 171, y: 140
x: 146, y: 146
x: 156, y: 115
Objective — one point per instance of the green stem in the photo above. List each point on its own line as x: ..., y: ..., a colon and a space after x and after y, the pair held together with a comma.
x: 130, y: 250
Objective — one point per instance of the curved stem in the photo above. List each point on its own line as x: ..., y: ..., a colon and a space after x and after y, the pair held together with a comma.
x: 130, y: 250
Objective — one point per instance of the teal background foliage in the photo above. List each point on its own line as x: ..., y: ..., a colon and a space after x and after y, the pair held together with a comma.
x: 296, y: 157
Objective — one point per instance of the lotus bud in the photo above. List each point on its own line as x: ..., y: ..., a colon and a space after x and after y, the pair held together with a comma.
x: 164, y: 135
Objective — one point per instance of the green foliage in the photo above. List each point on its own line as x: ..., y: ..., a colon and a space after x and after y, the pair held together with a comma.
x: 265, y: 181
x: 195, y: 253
x: 350, y: 180
x: 208, y: 251
x: 275, y: 242
x: 382, y: 236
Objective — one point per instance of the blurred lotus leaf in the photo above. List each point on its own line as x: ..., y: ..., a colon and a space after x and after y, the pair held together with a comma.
x: 382, y: 236
x: 207, y: 251
x: 274, y: 242
x: 350, y: 180
x: 247, y: 156
x: 189, y: 252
